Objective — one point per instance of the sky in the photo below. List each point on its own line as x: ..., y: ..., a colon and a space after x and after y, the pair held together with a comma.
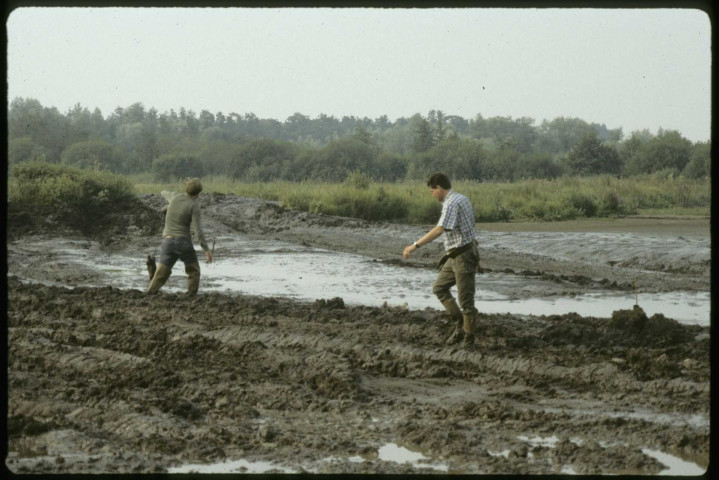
x: 633, y: 69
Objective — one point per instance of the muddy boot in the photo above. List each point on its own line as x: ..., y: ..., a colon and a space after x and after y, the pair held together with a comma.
x: 193, y: 278
x: 454, y: 314
x: 468, y: 325
x: 151, y: 265
x: 158, y: 280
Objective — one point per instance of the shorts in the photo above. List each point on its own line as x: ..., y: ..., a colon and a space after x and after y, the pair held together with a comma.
x: 177, y: 247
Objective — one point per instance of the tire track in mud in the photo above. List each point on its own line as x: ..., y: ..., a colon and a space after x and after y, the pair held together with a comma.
x: 145, y: 383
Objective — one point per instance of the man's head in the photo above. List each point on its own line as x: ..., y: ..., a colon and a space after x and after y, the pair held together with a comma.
x: 440, y: 185
x: 193, y: 187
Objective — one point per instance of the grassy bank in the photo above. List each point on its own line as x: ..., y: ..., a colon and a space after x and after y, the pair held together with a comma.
x: 544, y: 200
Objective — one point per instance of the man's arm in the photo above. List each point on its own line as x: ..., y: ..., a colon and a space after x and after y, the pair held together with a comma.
x: 199, y: 232
x: 429, y: 237
x: 168, y: 195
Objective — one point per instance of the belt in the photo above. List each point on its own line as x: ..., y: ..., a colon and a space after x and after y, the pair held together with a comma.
x: 455, y: 252
x: 174, y: 236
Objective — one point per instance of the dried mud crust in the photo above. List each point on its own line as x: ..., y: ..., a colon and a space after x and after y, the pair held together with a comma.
x: 107, y: 380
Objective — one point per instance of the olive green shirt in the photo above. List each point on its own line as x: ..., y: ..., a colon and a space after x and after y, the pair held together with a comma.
x: 182, y: 212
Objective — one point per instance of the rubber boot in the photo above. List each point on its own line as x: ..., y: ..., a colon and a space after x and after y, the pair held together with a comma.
x: 151, y: 265
x: 456, y: 314
x: 468, y: 325
x: 158, y: 280
x: 193, y: 278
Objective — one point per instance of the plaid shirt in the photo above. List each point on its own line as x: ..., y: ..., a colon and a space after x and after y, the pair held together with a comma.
x: 457, y: 219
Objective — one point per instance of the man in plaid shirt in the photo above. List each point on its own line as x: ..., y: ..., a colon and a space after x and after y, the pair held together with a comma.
x: 461, y: 261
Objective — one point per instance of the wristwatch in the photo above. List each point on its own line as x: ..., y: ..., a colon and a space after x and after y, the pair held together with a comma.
x: 415, y: 245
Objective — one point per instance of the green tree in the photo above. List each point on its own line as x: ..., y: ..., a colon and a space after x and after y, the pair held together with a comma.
x: 263, y: 159
x: 700, y: 162
x: 171, y: 167
x: 561, y: 134
x: 216, y: 156
x: 423, y: 138
x: 24, y: 149
x: 521, y: 132
x: 590, y: 157
x: 340, y: 157
x: 391, y: 167
x: 503, y: 164
x: 458, y: 158
x: 95, y: 153
x: 47, y: 127
x: 668, y: 150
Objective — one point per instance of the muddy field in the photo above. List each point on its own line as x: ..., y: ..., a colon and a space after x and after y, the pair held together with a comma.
x: 103, y: 379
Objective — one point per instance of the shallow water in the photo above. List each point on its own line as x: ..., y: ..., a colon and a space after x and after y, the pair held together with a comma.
x: 273, y: 268
x: 604, y: 247
x: 392, y: 452
x: 236, y: 466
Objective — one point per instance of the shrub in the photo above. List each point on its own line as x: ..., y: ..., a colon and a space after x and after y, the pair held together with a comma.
x: 612, y: 203
x: 583, y: 204
x: 80, y: 197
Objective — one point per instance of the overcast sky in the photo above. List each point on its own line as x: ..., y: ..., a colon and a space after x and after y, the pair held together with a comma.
x: 634, y: 69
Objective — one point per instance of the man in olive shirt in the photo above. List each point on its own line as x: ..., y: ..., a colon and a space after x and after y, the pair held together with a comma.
x: 182, y: 212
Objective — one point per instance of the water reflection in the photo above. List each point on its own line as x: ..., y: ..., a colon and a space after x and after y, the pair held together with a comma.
x: 273, y: 268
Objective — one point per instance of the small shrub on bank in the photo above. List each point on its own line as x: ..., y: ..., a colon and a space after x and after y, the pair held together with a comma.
x: 80, y: 197
x: 583, y: 204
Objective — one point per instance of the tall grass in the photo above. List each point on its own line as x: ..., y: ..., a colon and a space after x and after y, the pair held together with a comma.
x: 546, y: 200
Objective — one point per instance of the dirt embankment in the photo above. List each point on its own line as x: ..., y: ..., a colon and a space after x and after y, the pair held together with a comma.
x: 105, y: 380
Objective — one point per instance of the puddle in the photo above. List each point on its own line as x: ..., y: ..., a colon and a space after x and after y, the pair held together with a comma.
x: 503, y: 453
x: 675, y: 465
x: 392, y: 452
x: 273, y: 268
x: 237, y: 466
x: 550, y: 442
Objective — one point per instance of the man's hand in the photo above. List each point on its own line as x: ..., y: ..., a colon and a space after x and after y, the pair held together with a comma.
x: 208, y: 254
x: 431, y: 236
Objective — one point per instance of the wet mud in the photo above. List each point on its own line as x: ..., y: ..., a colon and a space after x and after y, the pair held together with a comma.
x: 109, y: 380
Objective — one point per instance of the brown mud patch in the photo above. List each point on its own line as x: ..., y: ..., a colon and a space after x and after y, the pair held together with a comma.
x: 107, y: 380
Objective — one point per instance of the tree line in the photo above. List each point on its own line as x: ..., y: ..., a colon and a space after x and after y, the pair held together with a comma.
x: 178, y: 144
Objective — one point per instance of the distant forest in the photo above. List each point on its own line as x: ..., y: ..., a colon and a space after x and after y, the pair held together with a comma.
x: 179, y: 144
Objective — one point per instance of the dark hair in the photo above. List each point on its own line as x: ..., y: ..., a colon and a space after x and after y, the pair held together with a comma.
x: 193, y: 187
x: 439, y: 179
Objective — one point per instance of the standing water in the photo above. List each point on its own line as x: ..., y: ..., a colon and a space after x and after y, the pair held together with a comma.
x: 273, y: 268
